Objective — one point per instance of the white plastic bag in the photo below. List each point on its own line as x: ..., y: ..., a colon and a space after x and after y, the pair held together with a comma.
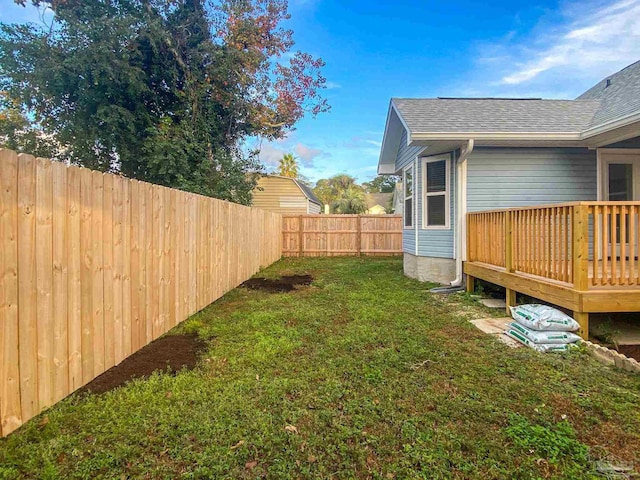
x: 540, y: 347
x: 543, y: 317
x: 548, y: 336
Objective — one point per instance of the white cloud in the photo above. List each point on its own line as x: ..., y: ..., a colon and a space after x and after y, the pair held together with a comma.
x: 332, y: 85
x: 272, y: 152
x: 306, y: 154
x: 592, y: 43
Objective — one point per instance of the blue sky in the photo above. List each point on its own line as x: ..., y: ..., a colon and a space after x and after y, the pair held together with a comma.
x: 376, y: 50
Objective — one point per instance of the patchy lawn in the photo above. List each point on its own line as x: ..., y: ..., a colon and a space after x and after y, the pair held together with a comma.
x: 362, y: 374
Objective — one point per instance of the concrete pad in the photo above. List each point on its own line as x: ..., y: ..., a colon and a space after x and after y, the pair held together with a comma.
x: 493, y: 303
x: 496, y: 327
x: 492, y: 326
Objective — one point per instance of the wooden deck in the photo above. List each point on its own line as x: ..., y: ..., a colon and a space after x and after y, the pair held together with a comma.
x: 582, y: 256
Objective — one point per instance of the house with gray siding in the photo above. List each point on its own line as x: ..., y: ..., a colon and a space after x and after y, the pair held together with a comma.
x: 462, y: 155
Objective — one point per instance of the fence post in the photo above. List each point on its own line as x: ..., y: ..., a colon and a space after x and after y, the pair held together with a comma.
x: 359, y: 235
x: 580, y: 259
x: 300, y: 236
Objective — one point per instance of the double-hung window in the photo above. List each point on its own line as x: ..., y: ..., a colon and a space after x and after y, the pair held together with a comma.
x: 436, y: 193
x: 407, y: 185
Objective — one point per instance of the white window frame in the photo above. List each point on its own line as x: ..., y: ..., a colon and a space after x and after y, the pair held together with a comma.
x: 406, y: 197
x: 605, y: 156
x: 446, y: 193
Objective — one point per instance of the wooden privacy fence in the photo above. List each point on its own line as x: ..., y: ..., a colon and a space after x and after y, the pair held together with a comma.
x: 94, y: 266
x: 335, y: 235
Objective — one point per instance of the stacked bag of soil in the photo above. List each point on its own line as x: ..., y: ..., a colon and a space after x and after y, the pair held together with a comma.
x: 542, y: 328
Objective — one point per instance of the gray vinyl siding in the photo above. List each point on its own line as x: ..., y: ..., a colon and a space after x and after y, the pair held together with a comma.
x: 436, y: 243
x: 406, y: 154
x: 518, y: 177
x: 431, y: 243
x: 409, y: 240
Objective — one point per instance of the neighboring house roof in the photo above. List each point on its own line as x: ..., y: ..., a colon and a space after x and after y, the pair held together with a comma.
x: 430, y: 115
x: 606, y: 113
x: 306, y: 189
x: 382, y: 199
x: 618, y: 95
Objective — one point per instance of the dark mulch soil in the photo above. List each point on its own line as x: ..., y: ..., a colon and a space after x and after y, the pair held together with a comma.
x: 285, y: 283
x: 173, y: 351
x: 631, y: 351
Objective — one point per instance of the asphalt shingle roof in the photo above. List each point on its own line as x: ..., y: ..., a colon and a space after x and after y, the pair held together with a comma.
x: 308, y: 192
x: 614, y: 97
x: 426, y: 115
x: 619, y: 99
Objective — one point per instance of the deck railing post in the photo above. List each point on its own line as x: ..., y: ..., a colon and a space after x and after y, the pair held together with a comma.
x: 508, y: 241
x: 580, y: 260
x: 508, y: 257
x: 580, y: 246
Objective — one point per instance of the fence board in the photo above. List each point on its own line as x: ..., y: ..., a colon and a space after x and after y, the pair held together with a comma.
x: 333, y: 235
x: 97, y: 282
x: 118, y: 268
x: 74, y: 315
x: 10, y: 410
x: 44, y: 280
x: 107, y: 272
x: 60, y: 268
x: 27, y: 329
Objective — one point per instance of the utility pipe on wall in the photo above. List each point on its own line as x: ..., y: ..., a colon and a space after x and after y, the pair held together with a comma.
x: 461, y: 209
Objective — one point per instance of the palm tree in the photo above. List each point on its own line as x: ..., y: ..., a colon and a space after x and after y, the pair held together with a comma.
x: 351, y: 200
x: 288, y: 166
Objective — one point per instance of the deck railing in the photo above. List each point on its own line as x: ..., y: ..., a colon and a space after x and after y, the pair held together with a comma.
x: 584, y: 244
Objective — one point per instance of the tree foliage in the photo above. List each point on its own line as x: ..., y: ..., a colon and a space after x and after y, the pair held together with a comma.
x: 162, y: 90
x: 342, y: 193
x: 381, y: 184
x: 288, y: 166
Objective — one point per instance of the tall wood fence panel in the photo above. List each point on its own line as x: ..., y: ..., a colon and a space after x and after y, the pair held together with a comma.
x: 336, y: 235
x: 94, y: 266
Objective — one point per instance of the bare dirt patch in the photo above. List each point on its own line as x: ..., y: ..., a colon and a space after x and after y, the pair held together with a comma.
x: 286, y: 283
x: 173, y: 352
x: 631, y: 351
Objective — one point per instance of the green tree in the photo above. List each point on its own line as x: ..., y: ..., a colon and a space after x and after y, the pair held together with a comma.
x: 18, y: 133
x: 288, y: 166
x: 342, y: 193
x: 162, y: 90
x: 381, y: 184
x: 352, y: 200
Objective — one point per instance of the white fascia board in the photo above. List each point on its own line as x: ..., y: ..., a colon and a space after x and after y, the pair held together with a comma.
x: 384, y: 135
x: 612, y: 125
x: 386, y: 169
x: 404, y: 124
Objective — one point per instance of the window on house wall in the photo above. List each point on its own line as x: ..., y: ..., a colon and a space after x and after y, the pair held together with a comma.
x: 407, y: 182
x: 436, y: 193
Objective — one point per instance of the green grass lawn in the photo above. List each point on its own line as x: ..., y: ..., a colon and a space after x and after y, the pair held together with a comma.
x: 364, y: 374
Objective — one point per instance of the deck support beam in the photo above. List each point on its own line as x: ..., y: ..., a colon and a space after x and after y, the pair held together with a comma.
x: 471, y: 284
x: 510, y: 300
x: 583, y: 319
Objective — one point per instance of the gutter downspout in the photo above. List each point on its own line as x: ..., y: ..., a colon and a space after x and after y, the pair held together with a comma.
x: 461, y: 209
